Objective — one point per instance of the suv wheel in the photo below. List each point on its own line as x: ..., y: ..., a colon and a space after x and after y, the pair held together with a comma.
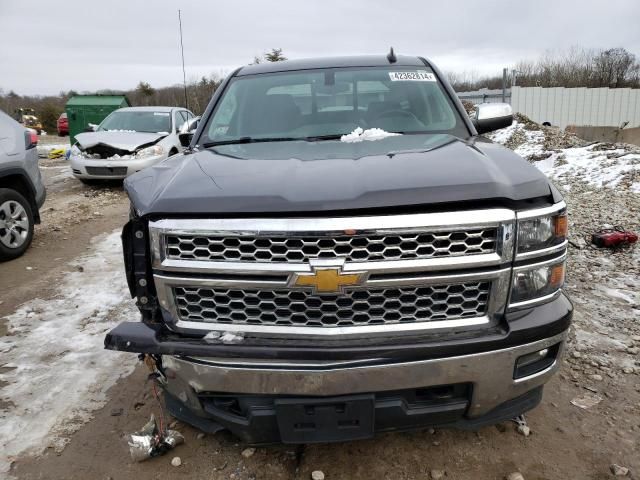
x: 16, y: 224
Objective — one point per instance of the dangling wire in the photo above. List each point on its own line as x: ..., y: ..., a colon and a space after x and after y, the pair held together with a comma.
x: 157, y: 397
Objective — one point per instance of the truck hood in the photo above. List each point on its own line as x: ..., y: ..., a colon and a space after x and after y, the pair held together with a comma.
x: 129, y: 141
x: 306, y: 177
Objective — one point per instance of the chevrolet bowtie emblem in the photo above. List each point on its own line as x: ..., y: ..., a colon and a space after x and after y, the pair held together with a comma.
x: 327, y: 279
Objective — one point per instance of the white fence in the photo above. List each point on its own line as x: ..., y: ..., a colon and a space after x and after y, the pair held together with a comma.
x: 484, y: 95
x: 605, y: 107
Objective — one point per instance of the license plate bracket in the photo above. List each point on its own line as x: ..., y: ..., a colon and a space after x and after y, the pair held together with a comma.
x: 318, y: 420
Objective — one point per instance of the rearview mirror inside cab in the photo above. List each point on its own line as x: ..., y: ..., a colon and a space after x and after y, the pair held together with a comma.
x: 492, y: 116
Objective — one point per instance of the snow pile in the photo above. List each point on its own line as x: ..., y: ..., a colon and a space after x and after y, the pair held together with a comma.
x: 371, y: 134
x: 44, y: 149
x: 55, y: 371
x: 59, y: 172
x: 564, y: 157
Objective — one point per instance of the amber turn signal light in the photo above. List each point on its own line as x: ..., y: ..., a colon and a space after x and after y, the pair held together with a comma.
x: 561, y: 226
x: 556, y: 279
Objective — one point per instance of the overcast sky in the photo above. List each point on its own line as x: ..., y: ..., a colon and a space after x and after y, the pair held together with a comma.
x: 48, y: 46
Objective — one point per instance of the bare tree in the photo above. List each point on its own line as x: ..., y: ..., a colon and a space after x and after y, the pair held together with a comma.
x: 576, y: 67
x: 49, y: 107
x: 615, y: 68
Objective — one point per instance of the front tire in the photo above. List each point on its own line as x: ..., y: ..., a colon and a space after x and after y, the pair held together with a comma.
x: 16, y: 224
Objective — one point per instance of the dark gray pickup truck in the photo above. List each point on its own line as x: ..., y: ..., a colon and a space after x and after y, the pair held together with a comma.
x: 338, y: 253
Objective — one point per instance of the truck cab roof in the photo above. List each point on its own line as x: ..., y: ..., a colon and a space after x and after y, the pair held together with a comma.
x: 331, y: 62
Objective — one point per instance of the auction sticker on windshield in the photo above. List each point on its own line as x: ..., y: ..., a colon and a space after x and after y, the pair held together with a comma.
x: 412, y: 77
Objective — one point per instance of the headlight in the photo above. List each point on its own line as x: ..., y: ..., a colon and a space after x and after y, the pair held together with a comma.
x: 542, y: 232
x: 153, y: 151
x: 76, y: 152
x: 537, y: 281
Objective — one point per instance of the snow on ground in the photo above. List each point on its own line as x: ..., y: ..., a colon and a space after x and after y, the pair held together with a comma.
x: 62, y: 172
x: 597, y: 164
x: 54, y: 371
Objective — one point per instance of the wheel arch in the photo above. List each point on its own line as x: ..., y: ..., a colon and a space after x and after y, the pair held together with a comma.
x: 17, y: 180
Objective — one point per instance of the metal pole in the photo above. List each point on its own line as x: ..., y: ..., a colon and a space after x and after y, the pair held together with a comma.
x: 184, y: 75
x: 504, y: 85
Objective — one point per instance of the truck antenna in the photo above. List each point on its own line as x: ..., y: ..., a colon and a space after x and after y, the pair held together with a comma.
x: 391, y: 56
x: 184, y: 75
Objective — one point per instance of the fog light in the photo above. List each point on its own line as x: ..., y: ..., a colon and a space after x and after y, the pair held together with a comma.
x: 535, y: 362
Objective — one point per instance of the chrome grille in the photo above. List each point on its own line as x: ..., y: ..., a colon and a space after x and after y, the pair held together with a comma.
x: 357, y: 307
x: 356, y: 248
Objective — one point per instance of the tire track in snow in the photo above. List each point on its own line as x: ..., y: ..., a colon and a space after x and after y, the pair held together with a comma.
x: 54, y: 371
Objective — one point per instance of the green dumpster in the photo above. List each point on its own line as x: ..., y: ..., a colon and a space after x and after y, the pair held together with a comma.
x: 85, y: 109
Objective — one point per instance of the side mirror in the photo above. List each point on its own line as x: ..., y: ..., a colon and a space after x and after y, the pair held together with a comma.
x: 185, y: 139
x: 190, y: 126
x: 492, y: 116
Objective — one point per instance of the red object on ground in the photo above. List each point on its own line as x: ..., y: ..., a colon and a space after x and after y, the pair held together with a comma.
x: 63, y: 125
x: 613, y: 237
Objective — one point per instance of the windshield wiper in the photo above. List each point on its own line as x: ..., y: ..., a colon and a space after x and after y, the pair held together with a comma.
x: 315, y: 138
x: 241, y: 140
x: 393, y: 153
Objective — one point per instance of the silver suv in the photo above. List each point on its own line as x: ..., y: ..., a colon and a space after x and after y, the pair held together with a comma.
x: 22, y: 192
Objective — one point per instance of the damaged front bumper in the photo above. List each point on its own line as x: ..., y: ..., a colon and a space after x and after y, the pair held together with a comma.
x: 265, y: 394
x: 105, y: 169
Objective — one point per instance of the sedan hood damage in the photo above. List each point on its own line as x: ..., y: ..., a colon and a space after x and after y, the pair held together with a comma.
x: 123, y: 141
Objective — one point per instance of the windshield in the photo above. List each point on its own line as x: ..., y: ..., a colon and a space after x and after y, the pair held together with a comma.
x: 150, y: 122
x: 313, y: 104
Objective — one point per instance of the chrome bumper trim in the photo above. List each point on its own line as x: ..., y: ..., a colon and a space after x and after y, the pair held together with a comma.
x: 364, y: 331
x: 491, y: 374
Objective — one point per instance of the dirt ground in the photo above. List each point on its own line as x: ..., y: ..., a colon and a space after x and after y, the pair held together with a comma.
x: 566, y: 442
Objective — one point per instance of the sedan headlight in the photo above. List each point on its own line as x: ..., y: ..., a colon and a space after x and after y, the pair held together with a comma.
x: 537, y: 282
x: 76, y: 152
x: 542, y: 232
x: 153, y: 151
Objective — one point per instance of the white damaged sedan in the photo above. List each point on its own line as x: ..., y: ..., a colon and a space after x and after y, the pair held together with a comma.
x: 127, y: 141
